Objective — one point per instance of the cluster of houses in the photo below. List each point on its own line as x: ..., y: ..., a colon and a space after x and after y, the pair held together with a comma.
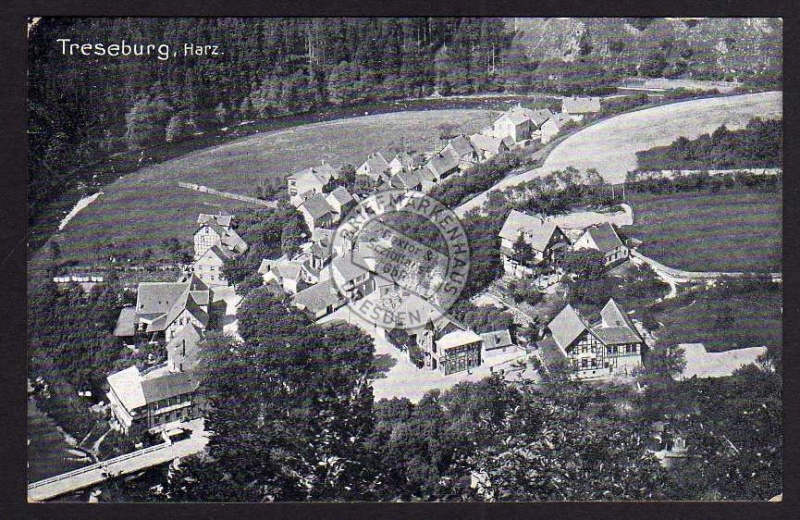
x: 175, y: 315
x: 612, y: 347
x: 548, y: 242
x: 315, y: 192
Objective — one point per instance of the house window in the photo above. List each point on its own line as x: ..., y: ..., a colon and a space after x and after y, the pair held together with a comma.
x: 584, y: 363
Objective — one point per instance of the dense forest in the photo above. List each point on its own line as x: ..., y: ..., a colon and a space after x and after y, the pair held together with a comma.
x: 758, y: 145
x: 84, y: 109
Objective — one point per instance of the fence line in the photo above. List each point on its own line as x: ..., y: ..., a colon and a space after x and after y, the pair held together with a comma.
x: 228, y: 195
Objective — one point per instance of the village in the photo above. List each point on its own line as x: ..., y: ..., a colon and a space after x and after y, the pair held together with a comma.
x: 327, y: 281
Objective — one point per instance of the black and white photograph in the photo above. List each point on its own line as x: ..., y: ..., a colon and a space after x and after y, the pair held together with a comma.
x: 404, y: 259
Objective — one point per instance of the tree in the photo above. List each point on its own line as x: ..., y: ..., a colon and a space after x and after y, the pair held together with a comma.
x: 585, y: 264
x: 663, y: 361
x: 146, y: 122
x: 181, y: 126
x: 523, y: 252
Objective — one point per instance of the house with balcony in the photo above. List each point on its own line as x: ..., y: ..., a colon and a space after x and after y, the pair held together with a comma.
x: 154, y: 399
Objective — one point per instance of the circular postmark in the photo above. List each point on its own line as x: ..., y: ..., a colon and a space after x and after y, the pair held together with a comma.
x: 400, y: 259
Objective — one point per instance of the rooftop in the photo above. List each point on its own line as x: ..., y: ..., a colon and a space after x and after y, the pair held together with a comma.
x: 536, y: 231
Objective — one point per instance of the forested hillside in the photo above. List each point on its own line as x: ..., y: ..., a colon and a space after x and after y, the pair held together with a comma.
x: 85, y: 108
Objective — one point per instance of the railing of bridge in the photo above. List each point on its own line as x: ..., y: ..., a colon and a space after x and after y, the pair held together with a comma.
x: 98, y: 465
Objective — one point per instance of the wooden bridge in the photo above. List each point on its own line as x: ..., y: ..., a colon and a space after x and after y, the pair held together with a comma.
x: 112, y: 468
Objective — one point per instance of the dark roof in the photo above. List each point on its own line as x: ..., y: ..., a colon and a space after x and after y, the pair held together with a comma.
x: 605, y: 237
x: 169, y: 385
x: 318, y: 297
x: 317, y: 206
x: 616, y: 335
x: 497, y: 339
x: 443, y: 163
x: 461, y: 146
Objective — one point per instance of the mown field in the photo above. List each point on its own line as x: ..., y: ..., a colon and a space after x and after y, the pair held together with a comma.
x: 610, y: 146
x: 144, y: 208
x: 731, y: 230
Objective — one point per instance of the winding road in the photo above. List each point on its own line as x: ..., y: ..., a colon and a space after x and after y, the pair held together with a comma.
x: 610, y: 146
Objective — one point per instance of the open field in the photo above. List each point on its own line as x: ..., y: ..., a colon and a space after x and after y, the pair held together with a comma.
x: 731, y: 230
x: 610, y: 146
x: 145, y: 207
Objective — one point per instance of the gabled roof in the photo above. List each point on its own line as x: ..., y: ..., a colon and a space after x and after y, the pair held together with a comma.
x: 169, y: 385
x: 405, y: 179
x: 443, y: 163
x: 613, y: 315
x: 486, y: 143
x: 228, y: 236
x: 183, y: 347
x: 322, y: 235
x: 580, y: 105
x: 605, y: 237
x: 321, y: 174
x: 222, y: 220
x: 350, y: 266
x: 404, y: 160
x: 461, y: 146
x: 375, y: 164
x: 127, y: 385
x: 558, y: 120
x: 288, y: 269
x: 566, y: 327
x: 517, y: 115
x: 317, y: 297
x: 340, y: 195
x: 537, y: 232
x: 550, y: 353
x: 317, y: 206
x: 216, y: 251
x: 126, y: 323
x: 540, y: 116
x: 159, y: 297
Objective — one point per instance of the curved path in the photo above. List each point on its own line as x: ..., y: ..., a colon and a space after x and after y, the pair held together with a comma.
x: 610, y: 146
